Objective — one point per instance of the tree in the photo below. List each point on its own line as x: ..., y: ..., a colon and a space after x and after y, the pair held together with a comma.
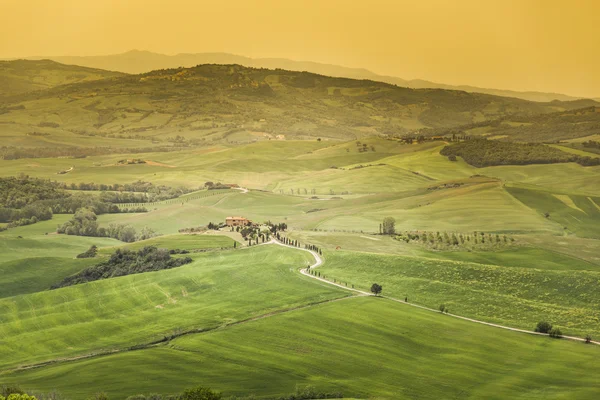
x: 543, y: 327
x: 389, y: 226
x: 376, y: 289
x: 200, y: 393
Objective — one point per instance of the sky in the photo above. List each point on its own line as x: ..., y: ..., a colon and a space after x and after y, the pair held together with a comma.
x: 540, y: 45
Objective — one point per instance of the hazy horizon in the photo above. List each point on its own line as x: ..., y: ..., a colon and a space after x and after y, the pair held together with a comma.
x: 535, y: 45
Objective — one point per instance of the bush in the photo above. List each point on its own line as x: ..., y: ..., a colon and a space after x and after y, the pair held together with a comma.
x: 89, y: 253
x: 555, y: 333
x: 200, y: 393
x: 588, y: 338
x: 543, y: 327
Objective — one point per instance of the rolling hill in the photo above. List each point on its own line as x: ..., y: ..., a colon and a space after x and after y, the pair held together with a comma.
x: 22, y: 76
x: 136, y: 62
x: 235, y: 104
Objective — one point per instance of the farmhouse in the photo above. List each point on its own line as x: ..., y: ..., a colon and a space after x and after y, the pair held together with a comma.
x: 237, y: 221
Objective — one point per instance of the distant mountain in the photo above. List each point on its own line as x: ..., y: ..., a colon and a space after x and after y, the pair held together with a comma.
x: 22, y: 76
x: 236, y: 104
x: 135, y: 62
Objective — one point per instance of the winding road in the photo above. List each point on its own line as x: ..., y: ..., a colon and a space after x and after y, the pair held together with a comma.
x: 319, y: 262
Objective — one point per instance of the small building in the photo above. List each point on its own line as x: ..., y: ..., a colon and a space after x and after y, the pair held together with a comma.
x: 237, y: 221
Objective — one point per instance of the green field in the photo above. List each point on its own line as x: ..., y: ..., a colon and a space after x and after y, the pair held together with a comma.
x: 215, y: 290
x: 363, y: 347
x: 512, y: 296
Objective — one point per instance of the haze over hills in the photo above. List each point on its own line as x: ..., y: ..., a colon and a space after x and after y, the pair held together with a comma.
x: 236, y: 104
x: 136, y: 61
x: 23, y: 76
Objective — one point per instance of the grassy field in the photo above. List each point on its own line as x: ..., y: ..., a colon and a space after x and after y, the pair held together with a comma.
x: 40, y: 240
x: 216, y: 289
x: 515, y: 296
x: 575, y: 213
x: 363, y: 347
x: 529, y: 251
x: 182, y: 242
x: 30, y: 275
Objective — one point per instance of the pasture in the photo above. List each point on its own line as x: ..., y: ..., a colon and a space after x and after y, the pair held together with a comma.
x: 217, y: 289
x: 363, y: 347
x: 512, y: 296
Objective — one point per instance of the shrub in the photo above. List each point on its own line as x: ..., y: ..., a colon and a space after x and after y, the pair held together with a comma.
x: 200, y: 393
x: 89, y: 253
x: 543, y: 327
x: 555, y: 333
x: 588, y: 338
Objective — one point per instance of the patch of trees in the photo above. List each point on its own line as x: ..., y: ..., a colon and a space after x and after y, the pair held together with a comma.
x: 126, y: 262
x: 25, y: 200
x: 591, y: 144
x: 17, y: 192
x: 388, y: 226
x: 21, y: 199
x: 214, y: 186
x: 84, y: 223
x: 484, y: 153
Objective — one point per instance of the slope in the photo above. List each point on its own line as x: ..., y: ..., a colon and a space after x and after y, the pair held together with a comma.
x: 363, y: 347
x: 22, y: 76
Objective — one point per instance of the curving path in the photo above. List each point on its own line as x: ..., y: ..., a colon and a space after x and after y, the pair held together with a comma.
x: 319, y: 261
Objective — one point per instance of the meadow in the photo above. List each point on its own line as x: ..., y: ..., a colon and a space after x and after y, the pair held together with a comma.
x: 512, y: 296
x: 363, y: 347
x: 244, y: 321
x: 217, y: 289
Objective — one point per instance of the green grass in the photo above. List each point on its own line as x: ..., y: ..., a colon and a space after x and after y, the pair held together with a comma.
x: 182, y: 242
x: 34, y: 242
x: 216, y: 289
x: 520, y: 257
x: 551, y: 255
x: 30, y: 275
x: 517, y: 297
x: 575, y: 213
x: 364, y: 347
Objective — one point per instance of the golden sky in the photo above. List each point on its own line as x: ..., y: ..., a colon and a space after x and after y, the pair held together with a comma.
x: 543, y: 45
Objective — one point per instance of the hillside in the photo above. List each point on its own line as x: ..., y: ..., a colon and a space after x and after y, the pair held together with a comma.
x: 235, y: 104
x: 578, y: 124
x: 22, y: 76
x: 136, y: 62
